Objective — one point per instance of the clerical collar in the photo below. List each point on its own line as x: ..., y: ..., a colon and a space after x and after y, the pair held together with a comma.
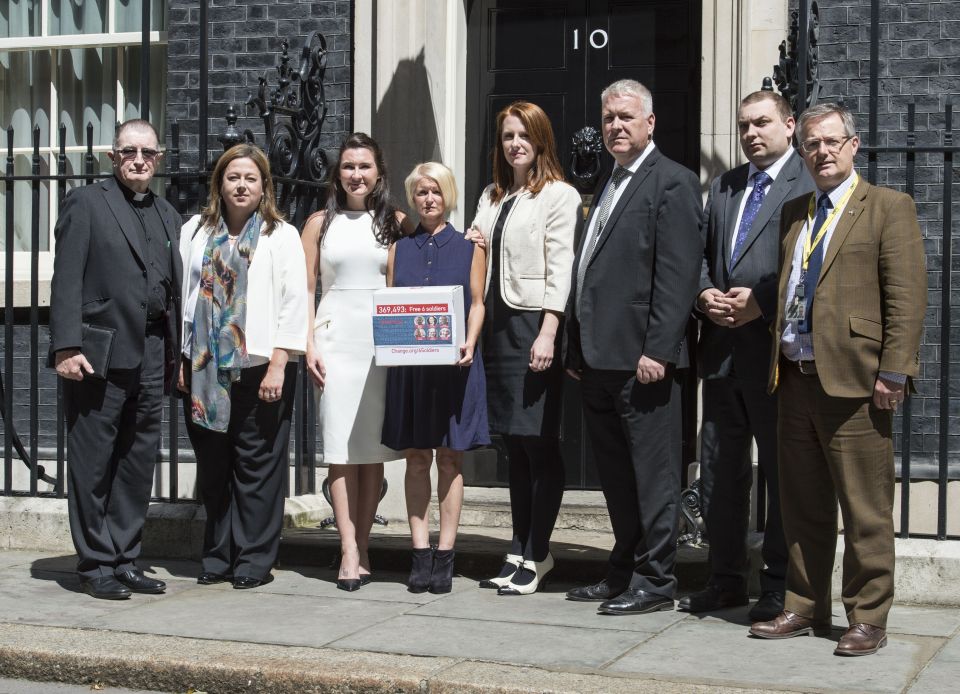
x: 133, y: 196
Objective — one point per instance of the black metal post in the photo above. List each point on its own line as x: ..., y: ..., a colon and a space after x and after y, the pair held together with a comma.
x: 203, y: 97
x: 945, y: 286
x: 298, y: 426
x: 8, y: 323
x: 59, y: 413
x: 803, y: 53
x: 88, y: 159
x: 906, y: 416
x: 145, y: 61
x: 35, y: 312
x: 874, y: 89
x: 173, y: 197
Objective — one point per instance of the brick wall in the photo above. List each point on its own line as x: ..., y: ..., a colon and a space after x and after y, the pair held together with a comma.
x: 243, y: 44
x: 920, y: 62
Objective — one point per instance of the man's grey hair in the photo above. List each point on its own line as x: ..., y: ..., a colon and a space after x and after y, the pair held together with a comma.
x: 134, y: 124
x: 629, y: 88
x: 822, y: 111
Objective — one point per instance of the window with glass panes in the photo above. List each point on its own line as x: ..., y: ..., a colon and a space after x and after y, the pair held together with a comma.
x: 71, y: 62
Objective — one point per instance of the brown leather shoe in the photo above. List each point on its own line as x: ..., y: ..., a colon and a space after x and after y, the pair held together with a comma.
x: 861, y: 639
x: 788, y: 624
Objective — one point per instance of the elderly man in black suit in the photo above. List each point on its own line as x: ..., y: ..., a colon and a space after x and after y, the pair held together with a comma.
x: 117, y: 266
x: 636, y: 273
x: 738, y: 291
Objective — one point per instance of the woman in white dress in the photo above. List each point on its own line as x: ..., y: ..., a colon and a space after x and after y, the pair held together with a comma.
x: 346, y: 246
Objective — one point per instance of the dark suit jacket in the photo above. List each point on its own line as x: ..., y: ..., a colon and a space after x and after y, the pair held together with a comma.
x: 744, y: 350
x: 100, y: 276
x: 871, y: 296
x: 642, y: 277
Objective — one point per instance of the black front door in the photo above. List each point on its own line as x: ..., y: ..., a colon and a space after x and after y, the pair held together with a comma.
x: 560, y: 54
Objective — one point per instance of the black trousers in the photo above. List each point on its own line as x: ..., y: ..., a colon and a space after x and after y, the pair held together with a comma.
x: 634, y: 430
x: 241, y: 474
x: 734, y: 413
x: 537, y: 478
x: 113, y: 435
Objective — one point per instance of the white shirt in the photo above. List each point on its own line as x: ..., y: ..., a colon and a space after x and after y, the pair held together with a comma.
x: 772, y: 171
x: 618, y: 193
x: 794, y: 345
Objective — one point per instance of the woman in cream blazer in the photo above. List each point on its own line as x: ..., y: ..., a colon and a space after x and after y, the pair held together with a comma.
x: 245, y: 285
x: 528, y: 219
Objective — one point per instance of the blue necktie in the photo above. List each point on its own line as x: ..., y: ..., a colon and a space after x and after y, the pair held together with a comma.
x: 760, y: 180
x: 812, y: 275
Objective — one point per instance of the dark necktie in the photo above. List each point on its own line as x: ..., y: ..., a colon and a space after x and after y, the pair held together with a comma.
x: 812, y: 275
x: 760, y: 180
x: 616, y: 178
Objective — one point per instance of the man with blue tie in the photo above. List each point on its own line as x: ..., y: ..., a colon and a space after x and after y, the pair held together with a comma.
x: 846, y: 339
x: 737, y: 299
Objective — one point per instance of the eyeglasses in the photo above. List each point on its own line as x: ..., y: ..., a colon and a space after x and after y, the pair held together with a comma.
x: 127, y: 153
x: 832, y: 144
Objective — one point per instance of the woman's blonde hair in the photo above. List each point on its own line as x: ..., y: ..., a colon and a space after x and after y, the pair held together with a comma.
x: 210, y: 216
x: 439, y: 173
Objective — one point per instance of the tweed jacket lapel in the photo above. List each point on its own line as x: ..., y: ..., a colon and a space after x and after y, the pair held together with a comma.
x: 848, y: 219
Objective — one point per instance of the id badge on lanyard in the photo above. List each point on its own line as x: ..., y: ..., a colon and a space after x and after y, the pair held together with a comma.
x: 797, y: 309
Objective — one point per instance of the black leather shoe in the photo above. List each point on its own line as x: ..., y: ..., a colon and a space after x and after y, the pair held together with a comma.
x: 105, y: 588
x: 243, y: 582
x: 208, y: 578
x: 365, y: 579
x: 598, y: 592
x: 636, y: 601
x: 713, y: 598
x: 349, y: 584
x: 767, y: 607
x: 138, y: 583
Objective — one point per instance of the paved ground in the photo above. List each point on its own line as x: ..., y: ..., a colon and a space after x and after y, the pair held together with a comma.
x: 9, y: 686
x: 300, y: 634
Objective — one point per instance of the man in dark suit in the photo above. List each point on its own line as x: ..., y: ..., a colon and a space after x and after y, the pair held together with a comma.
x: 851, y: 298
x: 636, y: 279
x: 117, y: 266
x: 738, y: 288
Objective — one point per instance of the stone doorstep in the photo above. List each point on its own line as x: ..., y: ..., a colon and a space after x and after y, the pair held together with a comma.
x: 927, y: 572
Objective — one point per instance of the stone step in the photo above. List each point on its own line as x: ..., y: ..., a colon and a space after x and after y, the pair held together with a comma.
x: 489, y: 507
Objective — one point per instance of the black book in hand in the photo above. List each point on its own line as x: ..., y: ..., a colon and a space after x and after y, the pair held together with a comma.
x: 97, y: 346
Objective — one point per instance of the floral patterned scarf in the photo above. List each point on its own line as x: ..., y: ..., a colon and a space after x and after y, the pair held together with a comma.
x: 219, y: 348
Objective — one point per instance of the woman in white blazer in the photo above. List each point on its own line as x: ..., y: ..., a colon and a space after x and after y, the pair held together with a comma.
x: 245, y: 286
x: 528, y: 219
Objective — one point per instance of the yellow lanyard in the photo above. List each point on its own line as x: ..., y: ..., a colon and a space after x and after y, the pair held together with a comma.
x: 810, y: 244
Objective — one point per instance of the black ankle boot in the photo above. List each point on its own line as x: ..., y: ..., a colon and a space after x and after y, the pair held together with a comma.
x: 420, y: 570
x: 441, y: 580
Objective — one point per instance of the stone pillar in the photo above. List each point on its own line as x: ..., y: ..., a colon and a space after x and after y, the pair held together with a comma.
x: 410, y: 84
x: 740, y: 48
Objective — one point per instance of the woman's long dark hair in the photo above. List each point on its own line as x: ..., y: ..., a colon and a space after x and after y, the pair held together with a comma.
x: 386, y: 228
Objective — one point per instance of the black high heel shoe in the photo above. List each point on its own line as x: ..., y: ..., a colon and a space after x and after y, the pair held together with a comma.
x: 441, y: 579
x: 349, y: 584
x: 420, y: 570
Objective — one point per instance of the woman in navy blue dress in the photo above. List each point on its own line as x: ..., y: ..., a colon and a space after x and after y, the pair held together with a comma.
x: 437, y: 407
